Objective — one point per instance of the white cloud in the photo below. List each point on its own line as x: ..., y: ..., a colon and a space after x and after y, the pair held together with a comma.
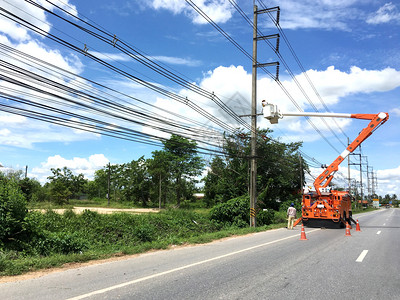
x: 220, y: 11
x: 385, y: 14
x: 175, y: 6
x: 5, y: 132
x: 25, y: 133
x: 31, y: 14
x: 233, y: 87
x: 111, y: 56
x: 63, y: 4
x: 325, y: 14
x: 34, y: 48
x: 78, y: 165
x: 11, y: 119
x: 334, y: 84
x: 178, y: 61
x: 22, y: 39
x: 166, y: 59
x: 389, y: 181
x: 395, y: 111
x: 26, y: 11
x: 389, y: 174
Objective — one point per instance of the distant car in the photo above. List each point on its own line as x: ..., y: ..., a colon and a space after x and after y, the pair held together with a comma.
x: 387, y: 206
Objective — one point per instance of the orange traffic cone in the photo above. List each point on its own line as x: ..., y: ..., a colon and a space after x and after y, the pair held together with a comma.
x: 303, y: 234
x: 348, y: 229
x: 358, y: 227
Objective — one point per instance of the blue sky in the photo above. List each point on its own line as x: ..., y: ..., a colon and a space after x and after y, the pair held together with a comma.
x: 349, y: 49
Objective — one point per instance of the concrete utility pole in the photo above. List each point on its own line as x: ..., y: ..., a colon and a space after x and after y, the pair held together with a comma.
x: 348, y: 168
x: 253, y: 143
x: 253, y: 162
x: 301, y: 175
x: 108, y: 184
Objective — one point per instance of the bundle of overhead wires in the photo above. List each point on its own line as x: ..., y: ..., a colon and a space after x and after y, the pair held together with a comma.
x: 37, y: 89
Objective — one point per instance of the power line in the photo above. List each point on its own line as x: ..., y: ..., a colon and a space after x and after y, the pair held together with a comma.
x: 282, y: 59
x: 163, y: 91
x: 277, y: 24
x: 143, y: 59
x: 226, y: 35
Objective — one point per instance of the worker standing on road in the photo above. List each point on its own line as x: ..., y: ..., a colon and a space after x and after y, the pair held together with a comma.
x: 291, y: 214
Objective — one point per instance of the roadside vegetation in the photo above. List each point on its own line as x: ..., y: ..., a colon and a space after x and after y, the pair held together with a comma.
x: 32, y: 240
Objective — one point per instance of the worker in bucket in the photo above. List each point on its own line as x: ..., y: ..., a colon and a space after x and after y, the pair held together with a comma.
x: 291, y: 214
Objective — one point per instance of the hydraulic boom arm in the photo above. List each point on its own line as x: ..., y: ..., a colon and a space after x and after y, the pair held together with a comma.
x: 272, y: 114
x: 326, y: 176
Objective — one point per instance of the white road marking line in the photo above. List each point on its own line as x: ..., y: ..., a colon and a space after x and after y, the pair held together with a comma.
x: 379, y: 232
x: 362, y: 256
x: 114, y: 287
x: 384, y: 224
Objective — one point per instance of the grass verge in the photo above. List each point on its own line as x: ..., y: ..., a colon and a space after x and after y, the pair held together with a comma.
x: 56, y: 240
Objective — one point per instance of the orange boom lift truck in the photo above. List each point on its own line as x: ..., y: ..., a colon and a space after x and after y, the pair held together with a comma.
x: 325, y: 207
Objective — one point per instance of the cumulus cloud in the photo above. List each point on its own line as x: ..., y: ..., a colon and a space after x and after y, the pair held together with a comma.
x: 233, y: 87
x: 334, y: 83
x: 28, y: 12
x: 31, y: 14
x: 22, y: 132
x: 385, y: 14
x: 325, y: 14
x: 22, y: 39
x: 69, y: 62
x: 78, y: 165
x: 389, y: 181
x: 220, y: 11
x: 389, y: 173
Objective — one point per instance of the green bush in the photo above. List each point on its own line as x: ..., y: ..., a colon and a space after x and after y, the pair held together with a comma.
x: 145, y: 232
x: 280, y: 217
x: 55, y: 239
x: 265, y: 217
x: 12, y: 212
x: 60, y: 242
x: 236, y: 212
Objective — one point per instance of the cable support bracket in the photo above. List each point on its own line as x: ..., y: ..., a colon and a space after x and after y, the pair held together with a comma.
x: 271, y: 36
x: 275, y: 63
x: 269, y: 10
x: 115, y: 40
x: 85, y: 50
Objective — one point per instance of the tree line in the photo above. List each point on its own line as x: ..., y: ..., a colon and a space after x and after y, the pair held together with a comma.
x: 171, y: 176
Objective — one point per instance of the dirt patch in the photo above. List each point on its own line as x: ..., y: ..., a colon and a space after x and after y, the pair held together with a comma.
x: 104, y: 210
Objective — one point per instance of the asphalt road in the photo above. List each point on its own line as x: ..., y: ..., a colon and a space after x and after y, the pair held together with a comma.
x: 268, y: 265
